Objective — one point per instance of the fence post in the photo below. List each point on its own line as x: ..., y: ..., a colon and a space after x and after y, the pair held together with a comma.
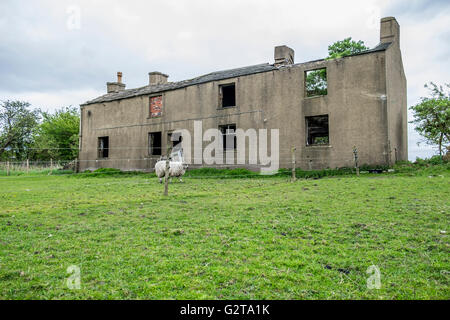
x: 355, y: 154
x: 7, y: 168
x: 293, y: 178
x: 28, y: 165
x: 389, y: 154
x: 51, y: 163
x: 166, y: 175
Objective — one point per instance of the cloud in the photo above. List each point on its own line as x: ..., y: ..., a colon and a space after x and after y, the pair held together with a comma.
x: 64, y: 52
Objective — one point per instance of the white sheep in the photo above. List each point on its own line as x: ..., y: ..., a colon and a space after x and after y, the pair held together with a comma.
x: 176, y: 169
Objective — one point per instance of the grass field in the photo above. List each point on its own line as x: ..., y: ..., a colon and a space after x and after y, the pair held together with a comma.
x: 225, y: 238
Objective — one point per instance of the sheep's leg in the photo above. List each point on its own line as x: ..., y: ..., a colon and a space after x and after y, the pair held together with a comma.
x: 181, y: 180
x: 160, y: 180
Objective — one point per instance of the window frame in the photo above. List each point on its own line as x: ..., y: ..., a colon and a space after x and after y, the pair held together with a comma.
x: 227, y: 127
x: 221, y: 96
x: 169, y: 138
x: 306, y: 83
x: 150, y: 116
x: 101, y: 149
x: 307, y: 133
x: 151, y: 147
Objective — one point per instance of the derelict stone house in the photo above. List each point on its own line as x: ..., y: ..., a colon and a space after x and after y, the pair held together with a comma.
x: 359, y: 100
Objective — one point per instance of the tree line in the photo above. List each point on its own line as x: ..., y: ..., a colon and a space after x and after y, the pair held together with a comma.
x: 37, y: 135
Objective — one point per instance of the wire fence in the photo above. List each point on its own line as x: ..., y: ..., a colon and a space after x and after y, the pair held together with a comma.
x: 222, y: 159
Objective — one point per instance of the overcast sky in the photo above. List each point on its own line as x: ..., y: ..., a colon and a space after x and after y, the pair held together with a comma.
x: 61, y: 53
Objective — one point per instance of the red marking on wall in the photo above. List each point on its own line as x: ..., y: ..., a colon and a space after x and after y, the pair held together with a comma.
x: 155, y: 106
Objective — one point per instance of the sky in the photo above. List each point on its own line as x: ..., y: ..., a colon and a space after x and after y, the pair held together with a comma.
x: 62, y: 53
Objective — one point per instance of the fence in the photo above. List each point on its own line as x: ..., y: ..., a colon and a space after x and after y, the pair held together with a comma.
x: 27, y: 166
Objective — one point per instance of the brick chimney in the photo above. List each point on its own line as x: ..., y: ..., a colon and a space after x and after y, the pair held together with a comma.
x: 389, y: 30
x: 115, y: 86
x: 283, y: 56
x: 156, y: 77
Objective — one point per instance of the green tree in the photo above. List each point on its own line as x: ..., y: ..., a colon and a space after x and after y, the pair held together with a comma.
x: 432, y: 116
x: 345, y: 47
x: 316, y: 80
x: 17, y: 125
x: 57, y: 135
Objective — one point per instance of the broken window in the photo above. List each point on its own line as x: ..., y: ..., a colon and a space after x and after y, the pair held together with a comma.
x: 317, y: 130
x: 229, y: 136
x: 316, y: 82
x: 154, y: 144
x: 227, y: 95
x: 103, y: 147
x: 156, y: 106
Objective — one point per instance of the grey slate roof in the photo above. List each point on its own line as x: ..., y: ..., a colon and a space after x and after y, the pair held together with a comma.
x: 213, y: 76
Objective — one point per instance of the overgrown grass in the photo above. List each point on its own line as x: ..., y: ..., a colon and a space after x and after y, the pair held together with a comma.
x: 225, y: 238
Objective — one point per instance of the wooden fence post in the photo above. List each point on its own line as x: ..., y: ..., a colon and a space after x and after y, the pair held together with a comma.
x: 166, y: 175
x: 293, y: 178
x: 7, y: 168
x: 355, y: 154
x: 28, y: 165
x: 389, y: 154
x: 51, y: 163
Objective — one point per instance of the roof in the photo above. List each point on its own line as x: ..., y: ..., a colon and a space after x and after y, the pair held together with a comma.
x: 213, y: 76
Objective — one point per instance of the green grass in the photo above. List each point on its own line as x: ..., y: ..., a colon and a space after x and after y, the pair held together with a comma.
x: 225, y: 238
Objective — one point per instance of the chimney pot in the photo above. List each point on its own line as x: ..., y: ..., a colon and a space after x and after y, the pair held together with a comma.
x: 115, y: 86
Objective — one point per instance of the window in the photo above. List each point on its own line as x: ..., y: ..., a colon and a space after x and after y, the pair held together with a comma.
x: 156, y: 106
x: 317, y: 130
x: 229, y: 136
x: 227, y: 95
x: 176, y: 139
x: 103, y: 147
x: 154, y: 144
x: 316, y: 82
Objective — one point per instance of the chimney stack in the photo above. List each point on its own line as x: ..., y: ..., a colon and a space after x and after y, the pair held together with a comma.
x: 115, y: 86
x: 389, y: 30
x: 156, y: 77
x: 283, y: 56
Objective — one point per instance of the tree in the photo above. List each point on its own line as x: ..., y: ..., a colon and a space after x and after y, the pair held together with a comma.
x: 17, y: 125
x: 432, y: 116
x: 345, y: 47
x: 57, y: 135
x: 316, y: 80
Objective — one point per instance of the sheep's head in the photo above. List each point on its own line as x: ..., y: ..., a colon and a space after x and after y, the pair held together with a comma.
x: 185, y: 166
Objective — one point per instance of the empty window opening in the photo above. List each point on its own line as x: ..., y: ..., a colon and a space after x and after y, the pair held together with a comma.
x: 229, y: 136
x: 154, y: 144
x: 227, y: 95
x: 316, y: 82
x: 317, y: 130
x: 103, y: 147
x: 156, y: 106
x: 176, y: 139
